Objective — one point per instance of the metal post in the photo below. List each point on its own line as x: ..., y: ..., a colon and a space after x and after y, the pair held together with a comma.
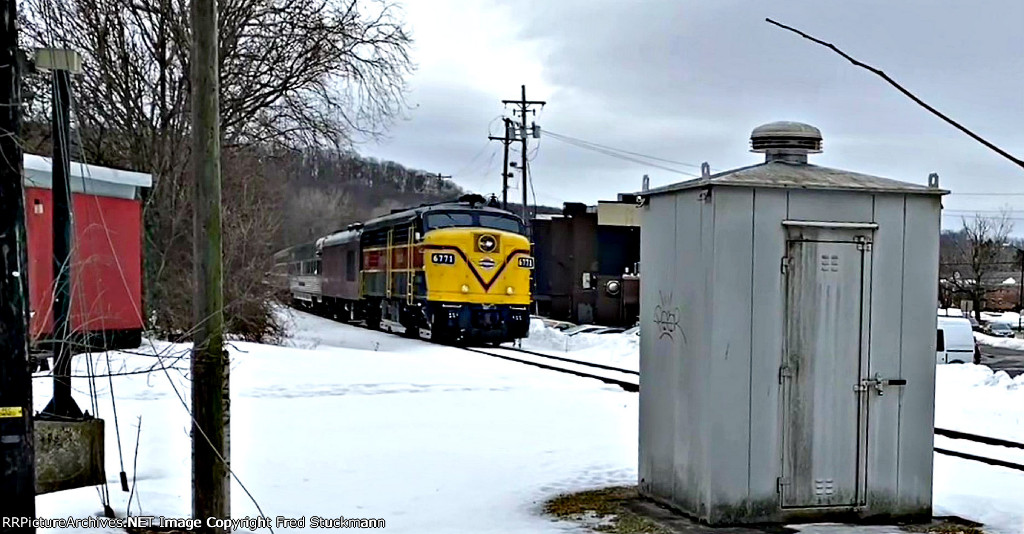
x: 210, y: 474
x: 523, y: 136
x: 62, y: 404
x: 506, y: 140
x: 17, y: 455
x: 504, y: 166
x: 1020, y: 294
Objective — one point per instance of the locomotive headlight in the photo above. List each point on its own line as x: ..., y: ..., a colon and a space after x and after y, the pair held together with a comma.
x: 487, y: 243
x: 465, y: 288
x: 612, y: 287
x: 508, y: 290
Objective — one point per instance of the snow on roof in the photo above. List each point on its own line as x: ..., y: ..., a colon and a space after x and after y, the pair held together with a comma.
x: 80, y: 171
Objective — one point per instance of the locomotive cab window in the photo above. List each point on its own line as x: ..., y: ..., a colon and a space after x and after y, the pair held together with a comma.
x: 434, y: 221
x: 450, y: 219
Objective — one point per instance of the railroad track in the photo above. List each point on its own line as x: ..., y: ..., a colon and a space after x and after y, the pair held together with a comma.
x: 624, y: 378
x: 627, y: 379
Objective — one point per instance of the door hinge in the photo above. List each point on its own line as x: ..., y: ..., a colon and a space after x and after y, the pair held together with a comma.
x: 780, y: 483
x: 784, y: 264
x: 784, y: 373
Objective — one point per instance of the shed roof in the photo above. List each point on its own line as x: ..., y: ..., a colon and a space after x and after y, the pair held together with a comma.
x: 791, y: 175
x: 92, y: 172
x: 90, y: 179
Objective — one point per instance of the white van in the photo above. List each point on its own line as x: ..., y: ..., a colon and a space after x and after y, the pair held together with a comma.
x: 955, y: 341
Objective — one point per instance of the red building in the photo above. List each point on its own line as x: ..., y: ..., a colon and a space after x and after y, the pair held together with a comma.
x: 106, y: 256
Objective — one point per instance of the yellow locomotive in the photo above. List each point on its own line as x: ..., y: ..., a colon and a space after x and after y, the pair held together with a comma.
x: 453, y: 272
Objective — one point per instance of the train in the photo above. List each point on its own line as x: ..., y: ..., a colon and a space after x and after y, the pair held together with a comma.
x: 452, y: 272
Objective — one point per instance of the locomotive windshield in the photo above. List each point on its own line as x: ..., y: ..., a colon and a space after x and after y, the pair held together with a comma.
x: 448, y: 219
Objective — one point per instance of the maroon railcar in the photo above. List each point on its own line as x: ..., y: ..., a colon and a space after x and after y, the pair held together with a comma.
x: 340, y: 260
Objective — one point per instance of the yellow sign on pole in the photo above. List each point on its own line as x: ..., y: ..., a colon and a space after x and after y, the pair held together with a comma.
x: 10, y: 411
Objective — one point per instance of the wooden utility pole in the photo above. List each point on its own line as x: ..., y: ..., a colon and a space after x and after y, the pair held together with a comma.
x: 17, y: 456
x: 506, y: 140
x: 211, y: 481
x: 524, y: 108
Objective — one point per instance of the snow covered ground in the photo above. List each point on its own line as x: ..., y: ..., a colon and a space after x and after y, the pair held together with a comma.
x: 361, y: 424
x: 349, y: 422
x: 971, y: 398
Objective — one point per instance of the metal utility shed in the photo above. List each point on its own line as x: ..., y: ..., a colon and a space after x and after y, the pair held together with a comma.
x: 787, y: 353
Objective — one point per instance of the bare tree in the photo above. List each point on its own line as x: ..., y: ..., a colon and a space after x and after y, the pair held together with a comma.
x: 294, y: 74
x: 970, y: 259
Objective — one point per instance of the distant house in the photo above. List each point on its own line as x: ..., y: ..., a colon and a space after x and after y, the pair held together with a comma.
x: 1003, y: 291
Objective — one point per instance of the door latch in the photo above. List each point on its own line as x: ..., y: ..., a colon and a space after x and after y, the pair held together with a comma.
x: 878, y: 383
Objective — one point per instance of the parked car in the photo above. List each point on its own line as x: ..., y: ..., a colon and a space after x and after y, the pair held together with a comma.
x: 610, y: 330
x: 998, y: 329
x: 955, y: 341
x: 633, y: 331
x: 975, y: 325
x: 553, y: 323
x: 583, y: 328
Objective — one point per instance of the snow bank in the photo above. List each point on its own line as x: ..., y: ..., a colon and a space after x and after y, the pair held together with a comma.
x: 1009, y: 318
x: 621, y: 350
x: 1000, y: 342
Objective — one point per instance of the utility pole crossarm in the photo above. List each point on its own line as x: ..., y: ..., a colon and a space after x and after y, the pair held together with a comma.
x: 527, y: 102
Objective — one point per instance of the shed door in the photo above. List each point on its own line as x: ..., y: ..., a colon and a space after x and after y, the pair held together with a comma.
x: 825, y: 356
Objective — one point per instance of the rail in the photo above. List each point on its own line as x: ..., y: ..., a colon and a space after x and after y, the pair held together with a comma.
x: 624, y: 384
x: 578, y: 362
x: 955, y: 434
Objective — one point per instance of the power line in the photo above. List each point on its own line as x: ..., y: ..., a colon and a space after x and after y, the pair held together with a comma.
x: 905, y: 91
x: 606, y: 147
x: 622, y: 156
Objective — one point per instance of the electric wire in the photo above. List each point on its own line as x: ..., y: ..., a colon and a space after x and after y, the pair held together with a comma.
x: 621, y: 156
x: 613, y: 149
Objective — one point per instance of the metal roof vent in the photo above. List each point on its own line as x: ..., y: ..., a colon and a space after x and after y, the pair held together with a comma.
x: 786, y: 141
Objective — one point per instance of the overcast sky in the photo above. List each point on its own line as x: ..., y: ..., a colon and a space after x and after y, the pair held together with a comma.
x: 688, y: 80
